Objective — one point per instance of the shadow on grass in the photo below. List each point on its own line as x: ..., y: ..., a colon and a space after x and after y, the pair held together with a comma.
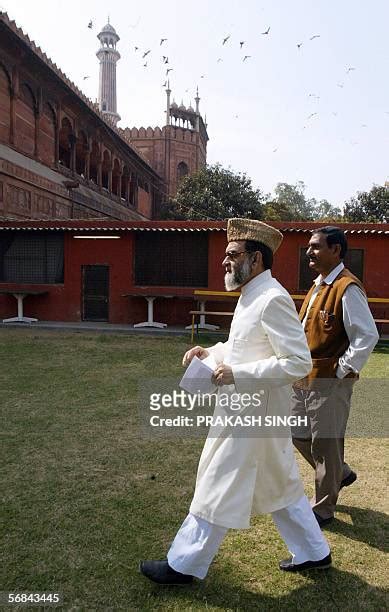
x: 368, y: 526
x: 324, y: 590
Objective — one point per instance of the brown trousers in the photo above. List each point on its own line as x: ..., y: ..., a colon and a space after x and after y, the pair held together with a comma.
x: 326, y: 407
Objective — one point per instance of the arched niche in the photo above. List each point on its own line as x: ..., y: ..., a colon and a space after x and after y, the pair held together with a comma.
x: 94, y: 161
x: 81, y: 152
x: 66, y: 137
x: 47, y: 131
x: 25, y: 120
x: 116, y: 178
x: 105, y: 169
x: 182, y: 171
x: 5, y: 105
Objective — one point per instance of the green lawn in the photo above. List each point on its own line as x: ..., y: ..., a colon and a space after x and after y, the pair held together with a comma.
x: 85, y: 495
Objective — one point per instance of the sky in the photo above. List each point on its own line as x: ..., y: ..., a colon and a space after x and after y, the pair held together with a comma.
x: 310, y: 103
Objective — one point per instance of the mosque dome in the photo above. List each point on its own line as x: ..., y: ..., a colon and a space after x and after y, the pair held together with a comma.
x: 109, y: 28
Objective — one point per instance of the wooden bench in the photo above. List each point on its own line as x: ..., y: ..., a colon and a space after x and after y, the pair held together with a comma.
x: 379, y: 323
x: 199, y: 313
x: 204, y: 295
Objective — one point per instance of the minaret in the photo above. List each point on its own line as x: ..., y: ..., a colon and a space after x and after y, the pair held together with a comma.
x: 197, y: 100
x: 168, y: 92
x: 108, y: 56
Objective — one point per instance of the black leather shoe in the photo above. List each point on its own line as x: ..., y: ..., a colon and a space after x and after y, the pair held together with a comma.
x: 323, y: 521
x: 161, y: 573
x: 346, y: 482
x: 288, y: 566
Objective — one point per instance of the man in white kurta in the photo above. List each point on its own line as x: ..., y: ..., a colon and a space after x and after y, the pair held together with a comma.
x: 243, y: 475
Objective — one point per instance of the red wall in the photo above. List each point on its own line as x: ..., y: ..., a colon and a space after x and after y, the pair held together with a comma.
x: 63, y: 302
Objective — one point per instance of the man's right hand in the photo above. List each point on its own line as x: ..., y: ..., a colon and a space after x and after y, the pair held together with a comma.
x: 197, y: 351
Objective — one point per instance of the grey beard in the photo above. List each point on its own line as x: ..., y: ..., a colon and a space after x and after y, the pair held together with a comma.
x: 235, y: 279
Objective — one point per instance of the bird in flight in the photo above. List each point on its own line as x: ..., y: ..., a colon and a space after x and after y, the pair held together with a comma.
x: 162, y: 41
x: 219, y: 59
x: 242, y: 43
x: 246, y: 57
x: 341, y: 85
x: 266, y: 31
x: 85, y: 77
x: 225, y: 39
x: 90, y: 24
x: 315, y: 36
x: 165, y: 59
x: 165, y: 83
x: 168, y: 70
x: 136, y: 49
x: 146, y: 53
x: 311, y: 115
x: 299, y: 45
x: 350, y: 69
x: 145, y: 65
x: 275, y: 150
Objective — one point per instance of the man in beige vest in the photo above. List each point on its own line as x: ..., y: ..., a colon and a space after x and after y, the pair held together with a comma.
x: 341, y: 334
x: 245, y: 472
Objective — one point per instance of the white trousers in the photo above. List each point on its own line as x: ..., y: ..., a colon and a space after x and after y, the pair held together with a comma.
x: 197, y: 541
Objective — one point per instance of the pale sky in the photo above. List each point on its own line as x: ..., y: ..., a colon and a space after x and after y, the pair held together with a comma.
x: 318, y: 113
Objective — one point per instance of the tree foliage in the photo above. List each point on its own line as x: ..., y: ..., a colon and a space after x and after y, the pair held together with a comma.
x: 368, y: 206
x: 215, y: 193
x: 291, y: 204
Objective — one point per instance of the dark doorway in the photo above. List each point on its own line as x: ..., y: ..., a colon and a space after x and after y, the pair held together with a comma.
x: 95, y: 293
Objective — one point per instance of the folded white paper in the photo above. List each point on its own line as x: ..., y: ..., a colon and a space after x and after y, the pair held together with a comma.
x: 198, y: 375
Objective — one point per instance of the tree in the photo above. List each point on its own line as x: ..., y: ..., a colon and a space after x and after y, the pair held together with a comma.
x: 292, y: 198
x: 215, y: 193
x: 368, y: 206
x: 324, y: 211
x: 291, y: 204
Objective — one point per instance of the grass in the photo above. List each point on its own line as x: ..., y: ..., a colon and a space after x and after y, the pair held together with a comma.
x: 85, y: 495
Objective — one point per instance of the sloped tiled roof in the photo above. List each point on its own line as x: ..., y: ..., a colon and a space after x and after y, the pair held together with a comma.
x: 178, y: 226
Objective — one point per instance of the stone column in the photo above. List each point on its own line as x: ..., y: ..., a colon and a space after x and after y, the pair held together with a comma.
x: 14, y: 95
x: 87, y: 163
x: 37, y: 130
x: 127, y: 179
x: 72, y: 143
x: 136, y: 192
x: 99, y: 173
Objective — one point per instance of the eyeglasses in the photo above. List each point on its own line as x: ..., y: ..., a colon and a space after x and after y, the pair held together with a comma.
x: 232, y: 255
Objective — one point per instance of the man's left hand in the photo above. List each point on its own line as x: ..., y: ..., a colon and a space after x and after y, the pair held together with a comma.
x: 223, y: 375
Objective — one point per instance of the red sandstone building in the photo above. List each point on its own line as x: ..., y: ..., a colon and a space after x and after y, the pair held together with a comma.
x: 102, y: 270
x: 62, y: 156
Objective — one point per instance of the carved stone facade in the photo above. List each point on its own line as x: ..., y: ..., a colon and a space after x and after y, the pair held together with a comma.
x: 62, y: 156
x: 179, y: 148
x: 59, y: 156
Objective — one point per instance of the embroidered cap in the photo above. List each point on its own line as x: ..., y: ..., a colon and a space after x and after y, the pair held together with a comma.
x: 250, y: 229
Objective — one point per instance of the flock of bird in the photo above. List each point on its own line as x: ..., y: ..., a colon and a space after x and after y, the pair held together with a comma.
x: 165, y: 59
x: 145, y: 55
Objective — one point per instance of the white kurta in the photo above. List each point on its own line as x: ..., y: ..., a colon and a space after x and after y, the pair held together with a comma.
x: 267, y: 349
